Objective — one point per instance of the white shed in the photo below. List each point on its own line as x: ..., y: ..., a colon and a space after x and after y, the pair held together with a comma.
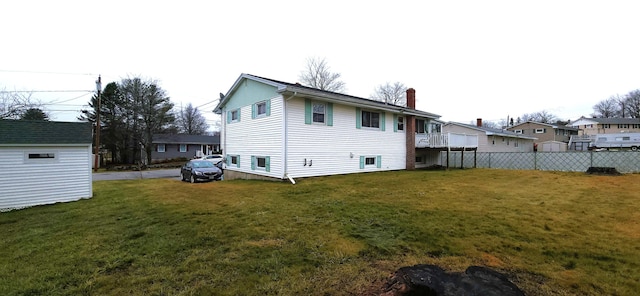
x: 44, y: 162
x: 552, y: 146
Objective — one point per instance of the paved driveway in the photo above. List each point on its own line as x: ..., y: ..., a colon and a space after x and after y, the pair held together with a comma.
x: 150, y: 174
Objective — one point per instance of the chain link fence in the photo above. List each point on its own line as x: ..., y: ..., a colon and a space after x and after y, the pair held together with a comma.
x: 572, y: 161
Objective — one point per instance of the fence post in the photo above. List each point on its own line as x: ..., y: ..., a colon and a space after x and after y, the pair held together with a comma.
x: 591, y: 158
x: 535, y: 160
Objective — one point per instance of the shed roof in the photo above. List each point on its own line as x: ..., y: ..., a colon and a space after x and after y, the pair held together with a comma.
x: 21, y: 132
x: 492, y: 131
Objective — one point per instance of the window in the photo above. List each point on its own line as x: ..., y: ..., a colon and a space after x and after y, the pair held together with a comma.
x: 539, y: 131
x: 370, y: 119
x: 42, y: 155
x: 261, y: 109
x: 420, y: 126
x: 636, y: 126
x: 436, y: 128
x: 400, y: 123
x: 233, y: 161
x: 233, y: 116
x: 161, y: 147
x: 515, y: 143
x: 370, y: 161
x: 418, y: 159
x: 623, y: 126
x: 588, y: 126
x: 518, y: 131
x: 318, y: 110
x: 606, y: 125
x: 183, y: 147
x: 260, y: 163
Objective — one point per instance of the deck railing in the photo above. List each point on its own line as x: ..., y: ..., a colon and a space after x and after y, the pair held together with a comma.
x: 444, y: 140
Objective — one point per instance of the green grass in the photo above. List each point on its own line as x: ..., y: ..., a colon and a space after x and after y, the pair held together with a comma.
x: 552, y: 233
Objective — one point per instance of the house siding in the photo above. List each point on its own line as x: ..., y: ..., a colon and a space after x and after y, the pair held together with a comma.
x: 329, y: 149
x: 261, y: 136
x: 34, y: 182
x: 494, y: 143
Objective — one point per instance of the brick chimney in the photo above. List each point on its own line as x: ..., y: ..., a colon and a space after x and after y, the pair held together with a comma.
x: 411, y: 98
x: 479, y: 122
x: 410, y: 131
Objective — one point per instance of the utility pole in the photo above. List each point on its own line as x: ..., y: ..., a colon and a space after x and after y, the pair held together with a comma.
x: 97, y: 110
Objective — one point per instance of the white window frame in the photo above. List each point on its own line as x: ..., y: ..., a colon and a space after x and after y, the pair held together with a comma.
x: 234, y: 159
x: 623, y: 126
x: 41, y: 156
x: 183, y: 146
x: 518, y: 131
x: 400, y: 126
x: 261, y: 109
x: 264, y: 166
x: 313, y: 113
x: 235, y: 112
x: 162, y: 148
x: 539, y: 131
x: 606, y: 125
x: 379, y: 122
x: 367, y: 158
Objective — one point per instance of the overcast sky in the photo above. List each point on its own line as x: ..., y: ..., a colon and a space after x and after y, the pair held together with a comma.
x: 466, y: 59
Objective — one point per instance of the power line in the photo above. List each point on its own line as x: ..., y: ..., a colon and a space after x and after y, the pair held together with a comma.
x: 42, y: 91
x: 46, y: 72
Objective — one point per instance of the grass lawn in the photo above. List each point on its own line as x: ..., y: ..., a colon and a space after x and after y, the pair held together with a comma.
x: 553, y: 233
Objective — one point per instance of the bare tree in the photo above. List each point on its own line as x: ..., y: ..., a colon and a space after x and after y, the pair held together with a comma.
x: 317, y: 74
x: 540, y: 116
x: 395, y: 94
x: 190, y: 121
x: 631, y: 104
x: 608, y: 108
x: 14, y: 103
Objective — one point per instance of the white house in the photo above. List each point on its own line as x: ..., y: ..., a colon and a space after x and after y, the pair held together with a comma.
x: 274, y: 129
x: 44, y: 162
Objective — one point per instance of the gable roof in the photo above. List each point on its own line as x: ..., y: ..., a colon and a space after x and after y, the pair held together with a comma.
x: 291, y: 89
x: 556, y: 126
x: 585, y: 120
x: 492, y: 131
x: 23, y: 132
x: 185, y: 139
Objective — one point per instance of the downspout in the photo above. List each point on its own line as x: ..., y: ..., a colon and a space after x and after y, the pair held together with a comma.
x: 286, y: 139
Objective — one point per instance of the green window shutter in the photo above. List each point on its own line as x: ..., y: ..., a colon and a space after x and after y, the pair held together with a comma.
x: 395, y: 122
x: 426, y: 126
x: 382, y: 125
x: 238, y: 164
x: 267, y: 163
x: 330, y: 114
x: 362, y: 162
x: 228, y: 116
x: 307, y: 111
x: 253, y: 162
x: 379, y: 161
x: 358, y: 118
x: 228, y: 160
x: 268, y: 107
x: 253, y: 111
x: 239, y: 112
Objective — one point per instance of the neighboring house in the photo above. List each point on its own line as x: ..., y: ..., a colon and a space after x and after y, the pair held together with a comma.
x: 594, y: 126
x: 44, y: 162
x: 544, y: 132
x: 166, y: 146
x: 278, y: 130
x: 492, y: 139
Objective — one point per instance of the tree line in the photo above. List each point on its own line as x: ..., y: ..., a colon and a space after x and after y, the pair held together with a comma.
x: 134, y: 109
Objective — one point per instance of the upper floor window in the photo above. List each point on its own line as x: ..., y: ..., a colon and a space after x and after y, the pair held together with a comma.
x: 606, y: 125
x: 539, y: 131
x: 318, y: 110
x: 588, y: 125
x: 518, y: 131
x: 233, y: 116
x: 261, y: 109
x: 370, y: 119
x: 400, y: 123
x: 623, y: 126
x: 436, y: 128
x: 636, y: 126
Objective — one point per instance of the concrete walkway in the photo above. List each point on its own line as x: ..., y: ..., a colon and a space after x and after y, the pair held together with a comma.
x: 132, y: 175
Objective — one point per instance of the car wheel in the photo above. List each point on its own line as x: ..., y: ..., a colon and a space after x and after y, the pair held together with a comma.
x: 192, y: 179
x: 182, y: 176
x: 634, y: 148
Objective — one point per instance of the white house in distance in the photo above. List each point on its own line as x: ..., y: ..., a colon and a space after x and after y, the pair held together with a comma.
x: 278, y: 130
x: 492, y: 139
x: 44, y: 162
